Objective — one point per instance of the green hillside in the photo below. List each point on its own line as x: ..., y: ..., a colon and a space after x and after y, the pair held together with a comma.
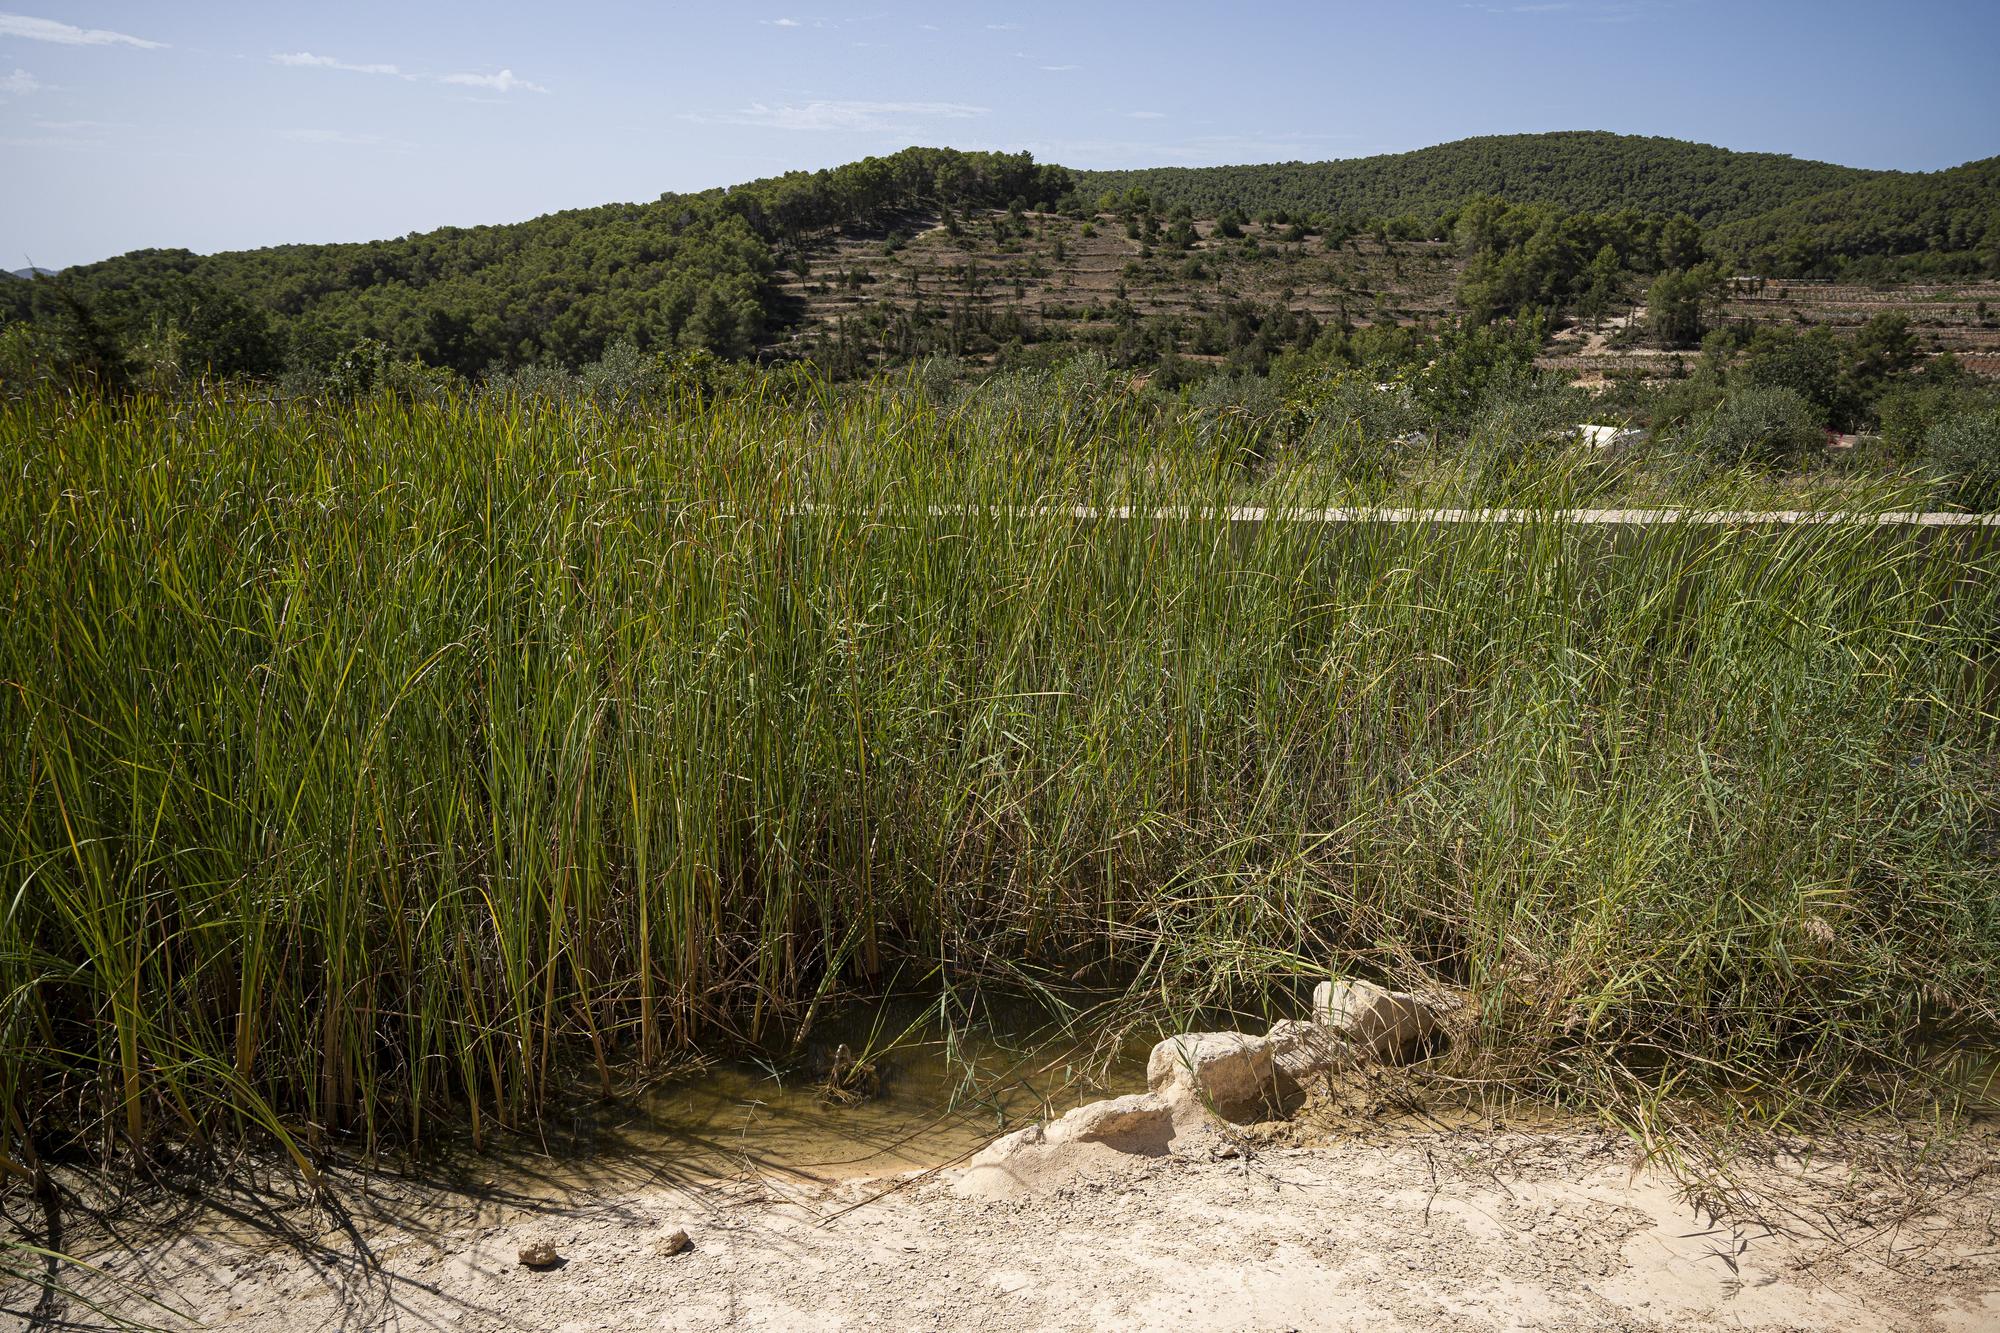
x: 682, y: 271
x: 1941, y: 222
x: 727, y: 271
x: 1581, y: 171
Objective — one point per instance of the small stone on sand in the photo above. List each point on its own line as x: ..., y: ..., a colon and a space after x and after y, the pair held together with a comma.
x: 539, y: 1255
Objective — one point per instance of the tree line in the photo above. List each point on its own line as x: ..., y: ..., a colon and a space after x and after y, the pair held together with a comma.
x: 684, y: 272
x: 1575, y: 225
x: 1577, y: 171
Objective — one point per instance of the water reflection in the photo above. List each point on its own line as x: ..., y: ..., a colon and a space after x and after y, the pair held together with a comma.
x: 929, y: 1095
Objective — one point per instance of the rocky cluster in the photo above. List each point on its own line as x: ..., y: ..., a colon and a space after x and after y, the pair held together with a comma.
x: 1196, y: 1079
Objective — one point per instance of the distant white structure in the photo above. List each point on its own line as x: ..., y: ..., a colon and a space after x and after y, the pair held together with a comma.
x: 1607, y: 439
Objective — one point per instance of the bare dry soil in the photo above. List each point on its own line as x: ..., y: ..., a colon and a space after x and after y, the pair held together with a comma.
x: 1421, y: 1227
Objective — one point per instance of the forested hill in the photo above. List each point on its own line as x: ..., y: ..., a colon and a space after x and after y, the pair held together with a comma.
x: 1578, y: 171
x: 711, y: 270
x: 681, y: 271
x: 1940, y: 221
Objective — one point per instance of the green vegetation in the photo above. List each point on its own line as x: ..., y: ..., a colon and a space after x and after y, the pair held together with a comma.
x: 1533, y: 259
x: 1760, y: 424
x: 1574, y: 172
x: 1765, y: 213
x: 379, y: 768
x: 930, y: 251
x: 1943, y: 222
x: 692, y: 271
x: 1965, y: 449
x: 1680, y: 305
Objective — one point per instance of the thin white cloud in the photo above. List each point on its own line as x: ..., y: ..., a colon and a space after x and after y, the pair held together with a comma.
x: 1060, y: 69
x: 849, y: 117
x: 781, y: 23
x: 1147, y: 115
x: 307, y: 60
x: 67, y: 34
x: 503, y: 82
x: 19, y: 84
x: 1003, y: 27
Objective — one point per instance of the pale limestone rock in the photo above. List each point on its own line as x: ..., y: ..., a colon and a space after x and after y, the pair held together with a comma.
x: 1386, y: 1024
x: 1230, y: 1073
x: 1305, y: 1052
x: 1140, y: 1122
x: 540, y: 1255
x: 1008, y: 1147
x: 1098, y: 1140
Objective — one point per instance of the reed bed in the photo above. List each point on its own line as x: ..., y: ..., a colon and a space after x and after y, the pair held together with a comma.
x: 386, y: 771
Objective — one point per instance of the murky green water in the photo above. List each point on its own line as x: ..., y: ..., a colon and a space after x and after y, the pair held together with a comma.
x: 934, y: 1096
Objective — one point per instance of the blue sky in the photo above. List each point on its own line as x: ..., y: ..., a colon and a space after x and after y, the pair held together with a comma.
x: 213, y: 126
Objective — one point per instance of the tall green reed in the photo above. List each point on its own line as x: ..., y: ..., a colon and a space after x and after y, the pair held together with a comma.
x: 377, y: 768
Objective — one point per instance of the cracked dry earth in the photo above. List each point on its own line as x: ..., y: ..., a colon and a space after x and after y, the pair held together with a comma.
x: 1457, y: 1229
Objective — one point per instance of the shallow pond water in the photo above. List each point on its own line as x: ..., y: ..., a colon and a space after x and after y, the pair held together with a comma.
x: 925, y: 1096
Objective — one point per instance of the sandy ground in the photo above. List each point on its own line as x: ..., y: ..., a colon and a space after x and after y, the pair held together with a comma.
x: 1458, y: 1229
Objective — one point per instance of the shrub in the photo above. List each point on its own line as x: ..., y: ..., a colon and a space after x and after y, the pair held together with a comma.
x: 1532, y: 411
x: 539, y: 380
x: 1239, y: 415
x: 1472, y: 367
x: 1342, y: 448
x: 369, y: 367
x: 1759, y: 426
x: 623, y: 373
x: 1809, y: 364
x: 1941, y: 390
x: 29, y: 354
x: 1679, y: 401
x: 1355, y: 402
x: 1965, y: 451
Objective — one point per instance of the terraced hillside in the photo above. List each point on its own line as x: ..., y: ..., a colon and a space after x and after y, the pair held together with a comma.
x: 994, y: 257
x: 1040, y: 279
x: 1962, y: 318
x: 1004, y: 284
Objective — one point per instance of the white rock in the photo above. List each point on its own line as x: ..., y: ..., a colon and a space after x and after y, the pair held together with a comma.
x: 1096, y: 1141
x: 1386, y: 1024
x: 1231, y: 1073
x: 1008, y: 1147
x: 1139, y: 1122
x: 1303, y: 1052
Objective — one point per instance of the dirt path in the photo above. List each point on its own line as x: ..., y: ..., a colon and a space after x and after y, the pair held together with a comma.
x: 1447, y: 1229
